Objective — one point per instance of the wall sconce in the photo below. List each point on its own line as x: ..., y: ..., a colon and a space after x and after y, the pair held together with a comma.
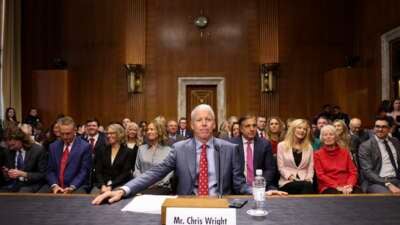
x: 135, y: 77
x: 269, y: 73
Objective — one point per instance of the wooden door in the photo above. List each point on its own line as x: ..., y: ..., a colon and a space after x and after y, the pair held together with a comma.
x: 201, y: 94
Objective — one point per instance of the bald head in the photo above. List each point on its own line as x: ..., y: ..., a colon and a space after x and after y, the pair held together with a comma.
x: 355, y: 125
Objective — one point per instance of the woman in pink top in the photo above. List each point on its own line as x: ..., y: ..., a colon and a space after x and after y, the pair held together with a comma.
x: 295, y: 159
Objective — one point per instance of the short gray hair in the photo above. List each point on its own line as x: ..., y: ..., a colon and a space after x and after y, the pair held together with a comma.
x: 202, y: 107
x: 327, y: 128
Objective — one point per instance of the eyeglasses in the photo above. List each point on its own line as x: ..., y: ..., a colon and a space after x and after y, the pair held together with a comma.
x: 381, y: 127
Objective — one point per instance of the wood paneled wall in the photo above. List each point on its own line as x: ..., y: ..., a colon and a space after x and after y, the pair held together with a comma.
x: 372, y: 19
x: 97, y: 37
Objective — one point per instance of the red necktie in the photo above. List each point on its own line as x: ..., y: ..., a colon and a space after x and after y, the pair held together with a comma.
x: 249, y: 165
x: 91, y: 140
x: 262, y: 134
x: 203, y: 172
x: 63, y: 164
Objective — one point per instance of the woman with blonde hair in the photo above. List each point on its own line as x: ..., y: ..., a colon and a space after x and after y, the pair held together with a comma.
x: 275, y: 132
x: 345, y: 140
x: 336, y: 173
x: 113, y: 165
x: 133, y: 141
x: 295, y: 159
x: 152, y: 153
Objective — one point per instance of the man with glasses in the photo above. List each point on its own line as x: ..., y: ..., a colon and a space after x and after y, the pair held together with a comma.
x: 380, y: 159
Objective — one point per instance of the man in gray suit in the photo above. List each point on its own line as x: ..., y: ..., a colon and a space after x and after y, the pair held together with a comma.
x: 224, y: 171
x: 380, y: 160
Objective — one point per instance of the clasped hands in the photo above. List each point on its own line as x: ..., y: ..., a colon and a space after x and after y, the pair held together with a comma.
x: 57, y: 189
x: 347, y: 189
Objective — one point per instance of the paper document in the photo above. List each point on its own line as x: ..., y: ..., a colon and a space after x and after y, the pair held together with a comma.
x: 147, y: 204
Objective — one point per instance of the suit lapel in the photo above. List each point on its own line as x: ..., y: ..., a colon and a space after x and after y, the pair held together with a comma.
x: 59, y: 152
x: 376, y: 148
x: 117, y: 157
x: 190, y: 152
x: 220, y: 158
x: 73, y: 151
x: 28, y: 156
x: 218, y: 162
x: 107, y: 157
x: 256, y: 153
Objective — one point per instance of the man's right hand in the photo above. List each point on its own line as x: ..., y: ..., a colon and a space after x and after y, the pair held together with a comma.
x: 110, y: 196
x: 394, y: 189
x: 57, y: 189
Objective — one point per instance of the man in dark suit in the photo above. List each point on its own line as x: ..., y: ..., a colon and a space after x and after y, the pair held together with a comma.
x: 69, y: 161
x: 204, y: 165
x: 173, y: 136
x: 96, y: 139
x: 357, y: 130
x: 183, y: 128
x: 26, y: 163
x: 380, y: 160
x: 255, y: 152
x: 261, y: 126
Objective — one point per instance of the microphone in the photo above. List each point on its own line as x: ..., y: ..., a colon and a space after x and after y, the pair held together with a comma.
x: 220, y: 180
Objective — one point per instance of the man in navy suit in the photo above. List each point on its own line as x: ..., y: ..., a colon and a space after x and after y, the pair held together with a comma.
x: 70, y: 161
x: 255, y: 152
x: 94, y: 137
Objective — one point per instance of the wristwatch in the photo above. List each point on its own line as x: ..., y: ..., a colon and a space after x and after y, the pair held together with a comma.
x: 387, y: 184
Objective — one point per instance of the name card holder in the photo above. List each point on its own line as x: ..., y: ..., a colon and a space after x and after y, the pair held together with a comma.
x: 187, y: 203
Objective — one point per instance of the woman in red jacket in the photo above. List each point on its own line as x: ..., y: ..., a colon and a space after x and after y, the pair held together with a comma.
x: 336, y: 173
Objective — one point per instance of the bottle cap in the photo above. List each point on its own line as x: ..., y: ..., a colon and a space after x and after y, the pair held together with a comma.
x: 259, y: 172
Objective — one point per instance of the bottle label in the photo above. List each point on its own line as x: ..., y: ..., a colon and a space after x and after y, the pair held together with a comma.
x: 259, y: 194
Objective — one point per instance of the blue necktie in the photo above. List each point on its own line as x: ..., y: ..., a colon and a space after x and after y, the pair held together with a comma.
x: 20, y: 161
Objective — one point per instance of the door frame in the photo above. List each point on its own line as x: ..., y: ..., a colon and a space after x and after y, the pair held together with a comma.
x: 221, y: 102
x: 386, y: 38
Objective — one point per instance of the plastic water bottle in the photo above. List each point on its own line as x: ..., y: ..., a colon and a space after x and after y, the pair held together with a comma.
x: 259, y: 185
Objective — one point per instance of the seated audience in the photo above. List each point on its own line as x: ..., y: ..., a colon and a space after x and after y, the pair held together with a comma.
x: 10, y: 119
x: 133, y: 141
x: 151, y: 154
x: 224, y: 130
x: 395, y: 113
x: 275, y: 132
x: 261, y: 127
x: 52, y: 135
x: 125, y: 122
x: 295, y: 159
x: 255, y: 152
x: 379, y: 160
x: 235, y: 130
x: 357, y: 130
x: 25, y: 168
x: 70, y: 161
x: 27, y: 129
x: 345, y: 139
x: 114, y: 164
x: 335, y: 170
x: 172, y: 132
x: 33, y: 118
x: 337, y: 114
x: 97, y: 140
x: 183, y: 128
x: 321, y: 122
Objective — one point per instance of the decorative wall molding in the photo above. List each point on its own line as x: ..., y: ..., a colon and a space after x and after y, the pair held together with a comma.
x: 183, y: 82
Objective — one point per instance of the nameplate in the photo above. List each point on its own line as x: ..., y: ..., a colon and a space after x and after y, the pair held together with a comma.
x: 201, y: 216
